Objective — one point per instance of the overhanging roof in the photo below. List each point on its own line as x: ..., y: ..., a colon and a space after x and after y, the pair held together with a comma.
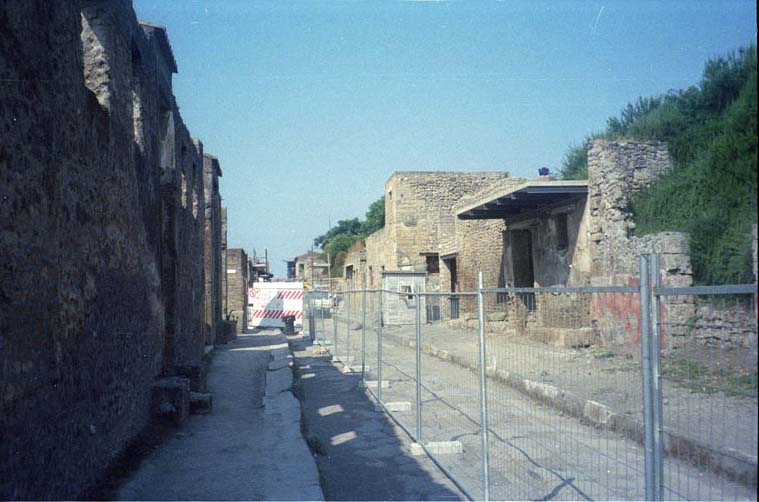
x: 515, y: 203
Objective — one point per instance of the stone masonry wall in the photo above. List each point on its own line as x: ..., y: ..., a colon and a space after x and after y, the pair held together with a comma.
x: 212, y: 246
x: 377, y: 256
x: 237, y: 287
x: 418, y: 212
x: 85, y: 189
x: 224, y: 283
x: 617, y: 170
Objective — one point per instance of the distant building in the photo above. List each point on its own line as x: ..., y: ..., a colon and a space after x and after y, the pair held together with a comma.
x: 312, y: 268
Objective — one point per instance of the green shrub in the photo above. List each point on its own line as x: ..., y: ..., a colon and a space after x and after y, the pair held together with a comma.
x: 711, y: 131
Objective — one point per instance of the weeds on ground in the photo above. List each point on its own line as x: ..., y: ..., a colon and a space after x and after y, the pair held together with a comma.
x: 602, y: 354
x: 697, y: 377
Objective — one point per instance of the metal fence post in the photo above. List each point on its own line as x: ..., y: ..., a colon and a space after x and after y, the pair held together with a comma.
x: 348, y: 302
x: 321, y: 318
x: 311, y: 321
x: 334, y: 328
x: 363, y: 333
x: 484, y: 427
x: 418, y: 368
x: 645, y: 355
x: 657, y: 408
x: 379, y: 348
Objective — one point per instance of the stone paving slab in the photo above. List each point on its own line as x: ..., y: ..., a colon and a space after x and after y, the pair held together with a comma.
x: 249, y: 447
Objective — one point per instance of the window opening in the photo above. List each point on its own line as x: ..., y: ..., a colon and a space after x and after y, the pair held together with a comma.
x: 433, y: 264
x: 562, y: 232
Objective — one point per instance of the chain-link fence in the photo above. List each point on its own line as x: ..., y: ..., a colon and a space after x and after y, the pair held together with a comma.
x: 577, y: 401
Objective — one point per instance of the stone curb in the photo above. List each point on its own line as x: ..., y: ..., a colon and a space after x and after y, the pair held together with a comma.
x: 735, y: 464
x: 278, y: 392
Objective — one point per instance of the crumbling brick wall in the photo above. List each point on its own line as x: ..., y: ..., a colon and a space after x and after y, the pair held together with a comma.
x: 84, y: 181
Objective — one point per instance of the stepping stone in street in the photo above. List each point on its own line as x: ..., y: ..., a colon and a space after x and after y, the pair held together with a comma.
x: 437, y: 448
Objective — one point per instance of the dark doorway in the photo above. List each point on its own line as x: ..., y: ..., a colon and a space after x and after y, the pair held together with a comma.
x: 522, y: 265
x: 451, y: 264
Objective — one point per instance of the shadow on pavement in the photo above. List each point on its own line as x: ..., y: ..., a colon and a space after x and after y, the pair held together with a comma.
x: 360, y: 453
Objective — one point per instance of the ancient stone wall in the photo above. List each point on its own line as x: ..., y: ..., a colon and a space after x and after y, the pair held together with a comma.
x: 377, y: 256
x: 237, y: 287
x: 224, y: 249
x: 727, y: 326
x: 87, y: 177
x: 617, y: 170
x: 190, y: 312
x: 212, y: 246
x: 419, y: 212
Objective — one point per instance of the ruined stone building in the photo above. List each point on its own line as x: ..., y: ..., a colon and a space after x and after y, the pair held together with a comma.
x: 419, y: 223
x: 312, y: 268
x: 258, y: 269
x: 443, y: 228
x: 405, y: 255
x: 549, y: 233
x: 109, y: 233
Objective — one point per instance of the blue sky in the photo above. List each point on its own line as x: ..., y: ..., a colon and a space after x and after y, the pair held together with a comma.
x: 311, y: 105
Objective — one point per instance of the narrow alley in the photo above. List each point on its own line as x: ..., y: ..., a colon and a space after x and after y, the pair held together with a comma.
x: 402, y: 250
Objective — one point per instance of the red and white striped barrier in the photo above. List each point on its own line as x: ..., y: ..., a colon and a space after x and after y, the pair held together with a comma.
x: 290, y: 295
x: 275, y: 314
x: 270, y: 302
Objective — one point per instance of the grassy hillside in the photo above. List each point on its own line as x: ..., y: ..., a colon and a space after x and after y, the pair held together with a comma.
x: 711, y: 130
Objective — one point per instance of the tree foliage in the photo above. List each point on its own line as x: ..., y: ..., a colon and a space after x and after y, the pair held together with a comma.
x: 375, y: 217
x: 342, y: 236
x: 711, y: 131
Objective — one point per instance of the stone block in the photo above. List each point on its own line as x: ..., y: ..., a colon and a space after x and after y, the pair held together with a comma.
x: 597, y: 413
x: 343, y: 359
x: 372, y: 384
x: 438, y: 448
x: 197, y: 374
x: 278, y: 381
x: 170, y: 398
x: 396, y: 406
x: 201, y: 403
x: 280, y: 363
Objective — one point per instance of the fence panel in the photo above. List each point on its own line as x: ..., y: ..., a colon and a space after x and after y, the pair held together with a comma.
x: 398, y: 370
x: 709, y: 395
x: 563, y: 397
x: 565, y: 372
x: 450, y: 394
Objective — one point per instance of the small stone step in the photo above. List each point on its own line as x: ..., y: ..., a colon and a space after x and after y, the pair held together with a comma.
x: 170, y: 398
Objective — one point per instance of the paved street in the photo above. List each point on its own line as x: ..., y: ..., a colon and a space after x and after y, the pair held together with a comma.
x: 248, y: 448
x: 536, y: 451
x: 360, y: 453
